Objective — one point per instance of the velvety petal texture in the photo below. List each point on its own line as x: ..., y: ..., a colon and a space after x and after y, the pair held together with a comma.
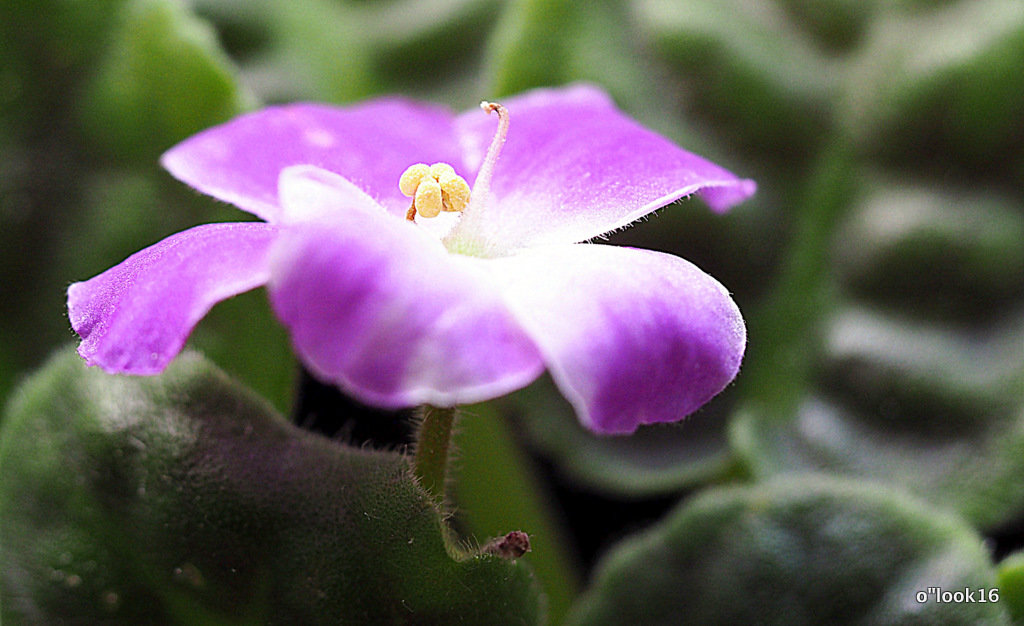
x: 379, y: 307
x: 135, y: 317
x: 574, y: 167
x: 630, y: 336
x: 369, y: 144
x: 311, y: 194
x: 448, y: 310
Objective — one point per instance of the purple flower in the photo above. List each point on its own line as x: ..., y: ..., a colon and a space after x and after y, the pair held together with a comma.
x: 452, y: 309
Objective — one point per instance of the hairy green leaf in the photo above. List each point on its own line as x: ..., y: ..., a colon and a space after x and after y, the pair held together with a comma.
x: 809, y: 550
x: 183, y: 499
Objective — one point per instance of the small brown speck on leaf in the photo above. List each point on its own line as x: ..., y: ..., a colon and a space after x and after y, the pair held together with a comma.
x: 512, y: 546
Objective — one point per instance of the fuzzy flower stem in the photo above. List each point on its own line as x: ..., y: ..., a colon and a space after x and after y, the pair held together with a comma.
x: 430, y: 463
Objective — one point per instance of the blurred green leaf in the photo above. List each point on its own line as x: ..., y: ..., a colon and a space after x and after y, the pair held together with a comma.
x: 808, y: 550
x: 655, y: 460
x: 539, y: 43
x: 183, y: 499
x: 972, y: 243
x: 919, y: 357
x: 532, y: 45
x: 47, y: 46
x: 339, y: 51
x: 837, y: 25
x: 163, y: 78
x: 943, y: 84
x: 316, y: 49
x: 432, y: 48
x: 1011, y: 585
x: 747, y: 69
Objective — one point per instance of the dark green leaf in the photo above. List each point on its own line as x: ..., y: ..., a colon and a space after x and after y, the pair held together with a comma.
x: 183, y: 499
x: 47, y: 46
x: 808, y: 550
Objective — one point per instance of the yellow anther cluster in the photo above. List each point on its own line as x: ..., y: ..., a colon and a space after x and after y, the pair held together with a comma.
x: 434, y: 188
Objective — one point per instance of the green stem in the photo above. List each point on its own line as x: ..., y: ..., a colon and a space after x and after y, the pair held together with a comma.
x: 430, y: 463
x: 498, y: 489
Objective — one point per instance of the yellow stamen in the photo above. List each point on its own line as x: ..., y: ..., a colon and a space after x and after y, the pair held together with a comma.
x: 433, y: 188
x: 454, y: 192
x: 437, y: 170
x: 428, y: 200
x: 411, y: 178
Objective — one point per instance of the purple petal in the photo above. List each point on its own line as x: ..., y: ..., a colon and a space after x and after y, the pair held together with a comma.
x: 574, y: 167
x: 135, y: 317
x: 310, y: 194
x: 378, y: 306
x: 630, y: 336
x: 370, y: 144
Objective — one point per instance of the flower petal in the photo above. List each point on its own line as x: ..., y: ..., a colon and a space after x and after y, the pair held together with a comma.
x: 574, y: 167
x: 308, y: 193
x: 630, y: 336
x: 378, y: 306
x: 135, y: 317
x: 370, y: 144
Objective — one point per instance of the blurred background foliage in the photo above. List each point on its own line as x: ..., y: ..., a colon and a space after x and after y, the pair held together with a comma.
x: 879, y: 417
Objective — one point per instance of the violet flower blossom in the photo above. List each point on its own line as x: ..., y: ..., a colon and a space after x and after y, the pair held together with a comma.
x: 455, y: 309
